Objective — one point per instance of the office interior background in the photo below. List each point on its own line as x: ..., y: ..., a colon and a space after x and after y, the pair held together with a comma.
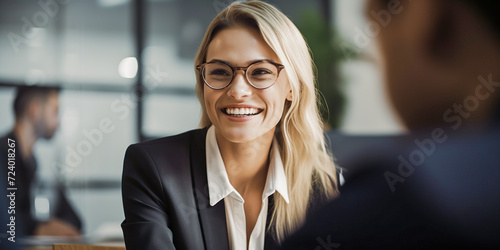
x: 130, y: 63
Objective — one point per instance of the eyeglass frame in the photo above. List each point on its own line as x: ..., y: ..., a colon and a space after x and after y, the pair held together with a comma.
x: 201, y: 67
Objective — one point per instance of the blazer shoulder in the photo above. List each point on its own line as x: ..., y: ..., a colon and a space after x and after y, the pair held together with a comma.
x: 168, y: 155
x: 172, y: 142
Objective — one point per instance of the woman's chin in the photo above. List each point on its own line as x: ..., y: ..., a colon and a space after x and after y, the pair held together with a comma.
x: 244, y: 135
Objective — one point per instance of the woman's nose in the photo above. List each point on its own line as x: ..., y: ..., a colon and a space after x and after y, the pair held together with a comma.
x: 239, y: 87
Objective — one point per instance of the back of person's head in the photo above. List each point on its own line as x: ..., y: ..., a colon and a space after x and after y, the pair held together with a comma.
x: 26, y: 94
x: 490, y: 10
x: 441, y: 60
x: 299, y: 132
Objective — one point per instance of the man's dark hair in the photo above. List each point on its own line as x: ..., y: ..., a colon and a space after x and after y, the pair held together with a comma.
x: 490, y: 10
x: 25, y: 94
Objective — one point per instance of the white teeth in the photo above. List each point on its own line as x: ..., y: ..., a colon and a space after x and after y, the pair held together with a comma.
x: 242, y: 111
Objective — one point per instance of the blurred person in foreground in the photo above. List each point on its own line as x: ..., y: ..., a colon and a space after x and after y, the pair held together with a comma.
x: 441, y: 61
x: 258, y: 167
x: 36, y: 116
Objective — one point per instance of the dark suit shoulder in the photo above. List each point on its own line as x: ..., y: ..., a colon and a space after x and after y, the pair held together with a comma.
x: 165, y: 159
x: 171, y: 145
x: 173, y: 139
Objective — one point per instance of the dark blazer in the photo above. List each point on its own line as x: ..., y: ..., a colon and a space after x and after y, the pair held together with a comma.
x: 166, y: 199
x: 449, y: 200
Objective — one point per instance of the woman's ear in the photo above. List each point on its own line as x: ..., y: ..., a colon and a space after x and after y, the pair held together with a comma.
x: 289, y: 96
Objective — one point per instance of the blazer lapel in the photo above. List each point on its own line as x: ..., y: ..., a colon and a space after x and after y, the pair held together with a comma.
x: 269, y: 241
x: 212, y: 219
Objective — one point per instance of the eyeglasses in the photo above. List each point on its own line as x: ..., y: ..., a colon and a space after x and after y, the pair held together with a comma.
x: 260, y: 74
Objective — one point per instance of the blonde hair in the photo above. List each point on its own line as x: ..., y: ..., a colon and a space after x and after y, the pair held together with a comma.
x: 308, y: 165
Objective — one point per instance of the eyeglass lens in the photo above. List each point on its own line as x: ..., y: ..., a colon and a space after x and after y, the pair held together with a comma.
x: 260, y: 75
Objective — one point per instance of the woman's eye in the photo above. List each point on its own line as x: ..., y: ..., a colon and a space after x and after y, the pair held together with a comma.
x: 220, y: 72
x: 261, y: 72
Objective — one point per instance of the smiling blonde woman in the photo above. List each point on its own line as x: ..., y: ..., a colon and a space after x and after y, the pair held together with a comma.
x: 258, y: 166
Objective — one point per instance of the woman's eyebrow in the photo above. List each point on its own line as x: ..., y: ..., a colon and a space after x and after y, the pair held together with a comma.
x: 218, y: 60
x: 247, y: 63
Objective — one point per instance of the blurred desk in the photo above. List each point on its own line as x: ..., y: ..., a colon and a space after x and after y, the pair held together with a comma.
x: 107, y: 234
x: 47, y: 242
x: 86, y: 247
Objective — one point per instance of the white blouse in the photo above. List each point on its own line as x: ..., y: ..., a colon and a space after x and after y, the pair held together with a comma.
x: 220, y: 188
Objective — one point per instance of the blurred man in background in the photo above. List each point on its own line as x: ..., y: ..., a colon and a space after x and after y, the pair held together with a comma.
x: 36, y: 112
x: 441, y: 61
